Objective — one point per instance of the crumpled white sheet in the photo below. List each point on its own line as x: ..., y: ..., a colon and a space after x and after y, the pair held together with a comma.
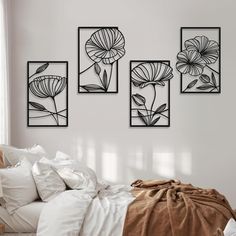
x: 107, y: 212
x: 74, y: 173
x: 86, y: 213
x: 230, y: 229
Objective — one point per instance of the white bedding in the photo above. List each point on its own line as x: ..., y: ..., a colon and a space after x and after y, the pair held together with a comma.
x: 77, y: 213
x: 25, y: 219
x: 86, y: 213
x: 106, y: 214
x: 230, y: 229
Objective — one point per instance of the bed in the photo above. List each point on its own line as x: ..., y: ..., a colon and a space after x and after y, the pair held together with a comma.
x: 109, y: 212
x: 74, y: 202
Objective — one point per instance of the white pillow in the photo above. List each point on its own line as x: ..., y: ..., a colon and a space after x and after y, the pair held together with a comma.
x: 75, y: 174
x: 48, y: 182
x: 14, y: 155
x: 230, y: 229
x: 18, y: 186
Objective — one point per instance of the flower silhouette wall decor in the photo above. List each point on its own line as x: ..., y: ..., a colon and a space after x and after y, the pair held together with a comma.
x: 150, y: 93
x: 199, y: 61
x: 47, y: 94
x: 99, y: 50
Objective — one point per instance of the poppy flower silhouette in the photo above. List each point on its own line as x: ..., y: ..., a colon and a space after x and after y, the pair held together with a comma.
x: 154, y: 74
x: 208, y: 49
x: 104, y: 47
x: 199, y: 53
x: 190, y: 62
x: 47, y: 87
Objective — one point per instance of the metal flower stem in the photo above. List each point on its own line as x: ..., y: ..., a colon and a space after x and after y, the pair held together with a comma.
x: 154, y: 99
x: 33, y: 75
x: 110, y: 76
x: 146, y: 109
x: 55, y: 105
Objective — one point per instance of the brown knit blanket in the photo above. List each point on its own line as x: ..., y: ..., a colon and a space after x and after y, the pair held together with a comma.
x: 170, y: 208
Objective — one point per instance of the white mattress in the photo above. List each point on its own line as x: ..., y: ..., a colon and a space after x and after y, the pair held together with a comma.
x: 24, y: 220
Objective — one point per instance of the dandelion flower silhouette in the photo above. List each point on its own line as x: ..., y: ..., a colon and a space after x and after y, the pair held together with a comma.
x: 190, y: 62
x: 209, y: 49
x: 47, y: 86
x: 155, y: 73
x: 106, y: 45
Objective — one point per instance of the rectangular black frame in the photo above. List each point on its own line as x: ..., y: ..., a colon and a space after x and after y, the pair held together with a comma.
x: 67, y: 103
x: 117, y: 63
x: 130, y: 93
x: 181, y: 48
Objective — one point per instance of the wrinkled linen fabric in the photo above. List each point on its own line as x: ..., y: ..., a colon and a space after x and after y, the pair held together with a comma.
x: 106, y: 214
x: 74, y: 173
x: 49, y: 183
x: 86, y: 212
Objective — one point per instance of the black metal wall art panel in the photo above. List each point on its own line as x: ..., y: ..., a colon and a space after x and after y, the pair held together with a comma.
x: 199, y: 61
x: 47, y: 93
x: 150, y: 93
x: 99, y: 50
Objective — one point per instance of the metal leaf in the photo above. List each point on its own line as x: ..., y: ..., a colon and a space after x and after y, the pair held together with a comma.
x: 138, y: 99
x: 97, y: 68
x: 136, y: 84
x: 37, y: 106
x: 142, y: 117
x: 205, y: 87
x: 42, y: 68
x: 191, y: 84
x: 104, y: 79
x: 160, y: 109
x: 205, y: 78
x: 92, y: 87
x: 213, y: 78
x: 155, y: 121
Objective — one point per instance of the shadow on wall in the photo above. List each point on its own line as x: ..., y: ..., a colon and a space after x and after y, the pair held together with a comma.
x: 129, y: 164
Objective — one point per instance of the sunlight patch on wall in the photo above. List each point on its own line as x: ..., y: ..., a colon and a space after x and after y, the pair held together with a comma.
x: 91, y: 158
x: 136, y: 159
x: 79, y: 150
x: 185, y: 163
x: 164, y: 164
x: 109, y: 166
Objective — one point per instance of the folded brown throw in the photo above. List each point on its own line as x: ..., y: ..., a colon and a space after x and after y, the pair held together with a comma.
x: 170, y: 208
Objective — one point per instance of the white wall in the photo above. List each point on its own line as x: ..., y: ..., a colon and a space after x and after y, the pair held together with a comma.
x: 199, y: 147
